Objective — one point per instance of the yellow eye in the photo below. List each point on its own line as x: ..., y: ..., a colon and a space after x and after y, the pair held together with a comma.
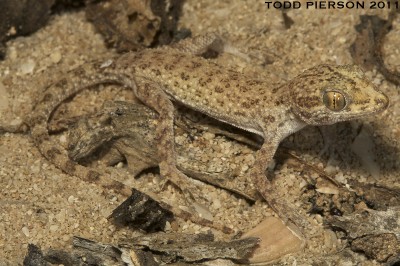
x: 334, y: 100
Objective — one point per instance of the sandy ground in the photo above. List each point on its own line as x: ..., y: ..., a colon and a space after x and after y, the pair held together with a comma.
x: 39, y: 204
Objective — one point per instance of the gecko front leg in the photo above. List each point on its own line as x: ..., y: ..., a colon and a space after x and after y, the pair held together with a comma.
x: 281, y: 207
x: 211, y: 41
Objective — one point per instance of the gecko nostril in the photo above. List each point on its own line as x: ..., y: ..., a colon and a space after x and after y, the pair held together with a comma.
x: 382, y: 101
x: 386, y: 101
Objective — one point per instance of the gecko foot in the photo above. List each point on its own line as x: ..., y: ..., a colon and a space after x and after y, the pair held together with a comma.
x: 191, y: 195
x: 180, y: 180
x: 288, y: 214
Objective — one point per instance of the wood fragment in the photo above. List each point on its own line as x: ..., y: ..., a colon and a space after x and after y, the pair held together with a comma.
x: 375, y: 196
x: 148, y: 250
x: 141, y: 212
x: 21, y: 18
x: 376, y: 233
x: 34, y: 257
x: 367, y: 49
x: 131, y: 25
x: 173, y: 247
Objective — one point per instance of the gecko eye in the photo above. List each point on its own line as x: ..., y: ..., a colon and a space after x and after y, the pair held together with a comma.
x: 334, y: 100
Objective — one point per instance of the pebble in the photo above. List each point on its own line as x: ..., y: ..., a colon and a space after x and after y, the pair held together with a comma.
x: 208, y: 136
x: 12, y: 53
x: 63, y: 139
x: 167, y: 226
x: 54, y: 227
x: 72, y: 199
x: 216, y: 204
x: 27, y: 67
x: 330, y: 170
x: 3, y: 97
x: 56, y: 57
x: 66, y: 238
x: 25, y: 231
x: 328, y: 190
x: 276, y: 240
x: 203, y: 211
x: 340, y: 178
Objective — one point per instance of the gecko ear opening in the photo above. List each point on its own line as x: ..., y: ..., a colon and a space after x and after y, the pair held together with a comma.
x: 334, y: 100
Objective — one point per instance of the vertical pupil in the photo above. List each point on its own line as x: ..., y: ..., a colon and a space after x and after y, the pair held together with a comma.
x: 334, y: 100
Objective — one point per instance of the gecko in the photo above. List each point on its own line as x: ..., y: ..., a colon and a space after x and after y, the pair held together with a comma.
x: 158, y: 77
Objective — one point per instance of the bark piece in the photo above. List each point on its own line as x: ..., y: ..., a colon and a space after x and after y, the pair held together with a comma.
x: 173, y: 247
x: 367, y: 48
x: 141, y: 212
x: 131, y: 25
x: 376, y: 233
x: 22, y: 18
x: 34, y: 257
x: 147, y: 250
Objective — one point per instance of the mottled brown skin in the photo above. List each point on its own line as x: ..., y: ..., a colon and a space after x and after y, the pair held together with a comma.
x: 160, y: 76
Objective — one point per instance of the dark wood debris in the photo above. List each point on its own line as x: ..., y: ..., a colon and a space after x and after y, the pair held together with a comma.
x: 131, y: 25
x: 148, y: 250
x: 21, y: 18
x: 376, y: 197
x: 127, y: 25
x: 87, y: 252
x: 367, y: 48
x: 34, y: 257
x: 173, y: 247
x: 141, y: 212
x: 375, y: 233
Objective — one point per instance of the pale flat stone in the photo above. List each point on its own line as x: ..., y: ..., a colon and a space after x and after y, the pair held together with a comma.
x: 277, y: 240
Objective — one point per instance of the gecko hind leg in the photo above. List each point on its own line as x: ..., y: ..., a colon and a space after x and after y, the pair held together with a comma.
x: 154, y: 96
x: 74, y: 81
x: 83, y: 77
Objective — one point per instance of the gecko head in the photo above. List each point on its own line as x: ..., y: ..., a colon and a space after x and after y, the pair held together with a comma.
x: 326, y: 94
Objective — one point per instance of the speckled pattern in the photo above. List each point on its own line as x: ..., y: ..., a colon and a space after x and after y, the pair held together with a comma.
x: 158, y: 76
